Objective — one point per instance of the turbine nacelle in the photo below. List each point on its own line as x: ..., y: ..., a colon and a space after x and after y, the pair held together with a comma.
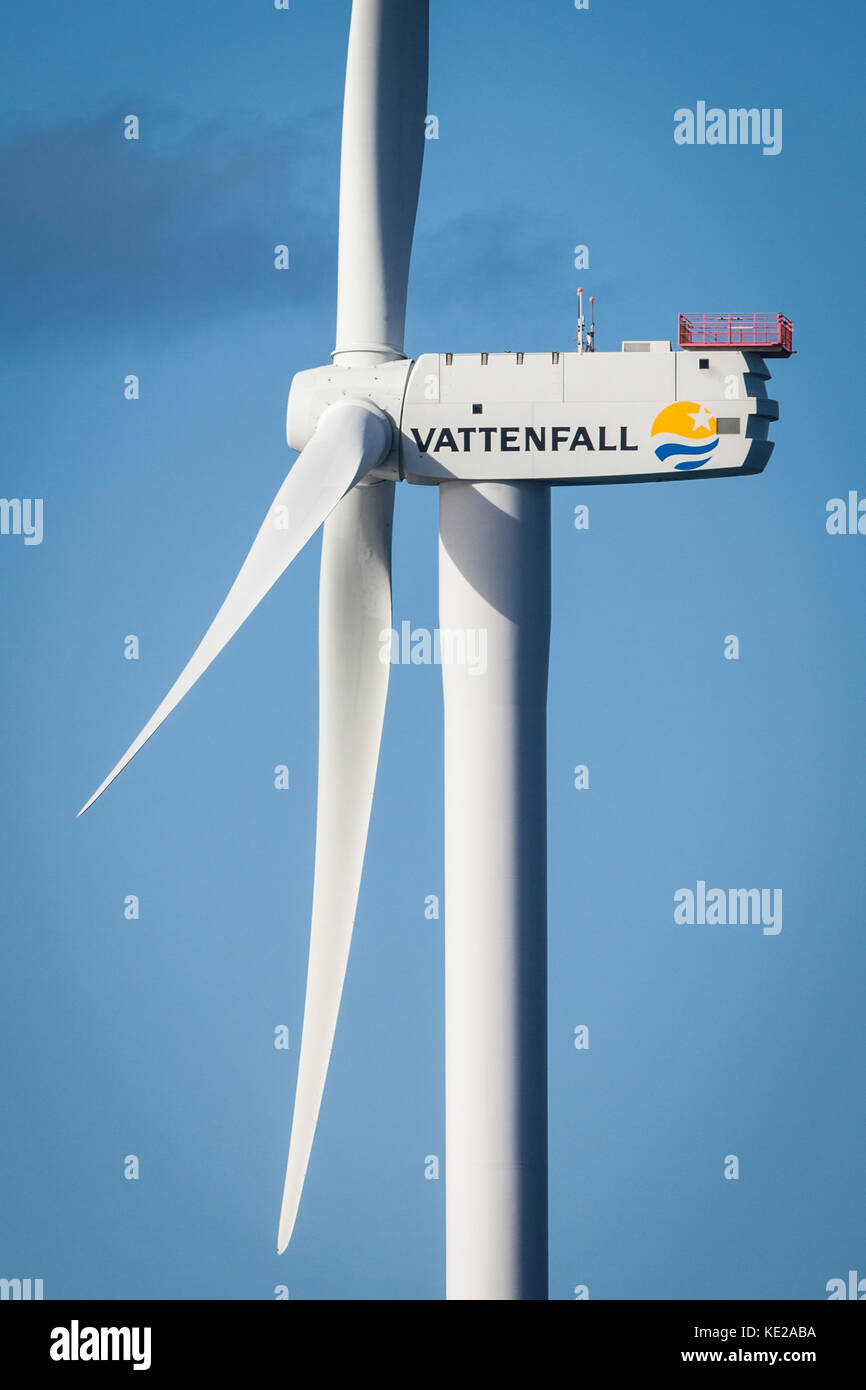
x: 643, y: 414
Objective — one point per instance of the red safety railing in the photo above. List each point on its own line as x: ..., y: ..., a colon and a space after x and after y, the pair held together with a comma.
x: 766, y: 333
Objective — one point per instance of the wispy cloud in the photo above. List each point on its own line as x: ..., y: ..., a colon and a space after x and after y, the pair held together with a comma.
x: 484, y: 274
x: 179, y: 226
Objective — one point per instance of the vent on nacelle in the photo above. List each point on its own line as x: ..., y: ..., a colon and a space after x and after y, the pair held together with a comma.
x: 660, y: 345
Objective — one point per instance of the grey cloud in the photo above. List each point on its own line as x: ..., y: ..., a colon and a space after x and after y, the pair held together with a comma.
x: 488, y: 271
x: 99, y: 231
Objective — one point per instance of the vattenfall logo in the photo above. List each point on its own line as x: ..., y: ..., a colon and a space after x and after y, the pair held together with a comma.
x: 518, y: 439
x: 687, y: 432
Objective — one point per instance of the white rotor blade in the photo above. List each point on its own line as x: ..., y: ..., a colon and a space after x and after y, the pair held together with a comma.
x: 351, y: 438
x: 354, y: 613
x: 380, y: 171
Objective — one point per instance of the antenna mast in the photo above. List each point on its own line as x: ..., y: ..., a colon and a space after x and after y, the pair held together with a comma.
x: 585, y: 338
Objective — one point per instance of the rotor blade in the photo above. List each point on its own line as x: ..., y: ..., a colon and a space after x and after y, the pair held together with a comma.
x: 380, y: 171
x: 351, y: 438
x: 354, y: 621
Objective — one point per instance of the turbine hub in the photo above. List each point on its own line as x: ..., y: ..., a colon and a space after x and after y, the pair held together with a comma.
x: 382, y: 385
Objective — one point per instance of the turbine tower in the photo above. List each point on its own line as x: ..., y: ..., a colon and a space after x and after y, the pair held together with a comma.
x: 493, y: 431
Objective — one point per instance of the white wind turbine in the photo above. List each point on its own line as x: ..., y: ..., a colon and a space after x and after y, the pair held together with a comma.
x: 493, y: 431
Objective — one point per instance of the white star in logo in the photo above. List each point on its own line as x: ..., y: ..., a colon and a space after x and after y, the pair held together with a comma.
x: 702, y: 418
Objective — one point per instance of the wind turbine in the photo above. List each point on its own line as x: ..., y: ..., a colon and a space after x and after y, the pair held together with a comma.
x: 493, y: 432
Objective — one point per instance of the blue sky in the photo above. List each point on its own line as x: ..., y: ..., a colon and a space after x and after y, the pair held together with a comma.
x: 154, y: 1037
